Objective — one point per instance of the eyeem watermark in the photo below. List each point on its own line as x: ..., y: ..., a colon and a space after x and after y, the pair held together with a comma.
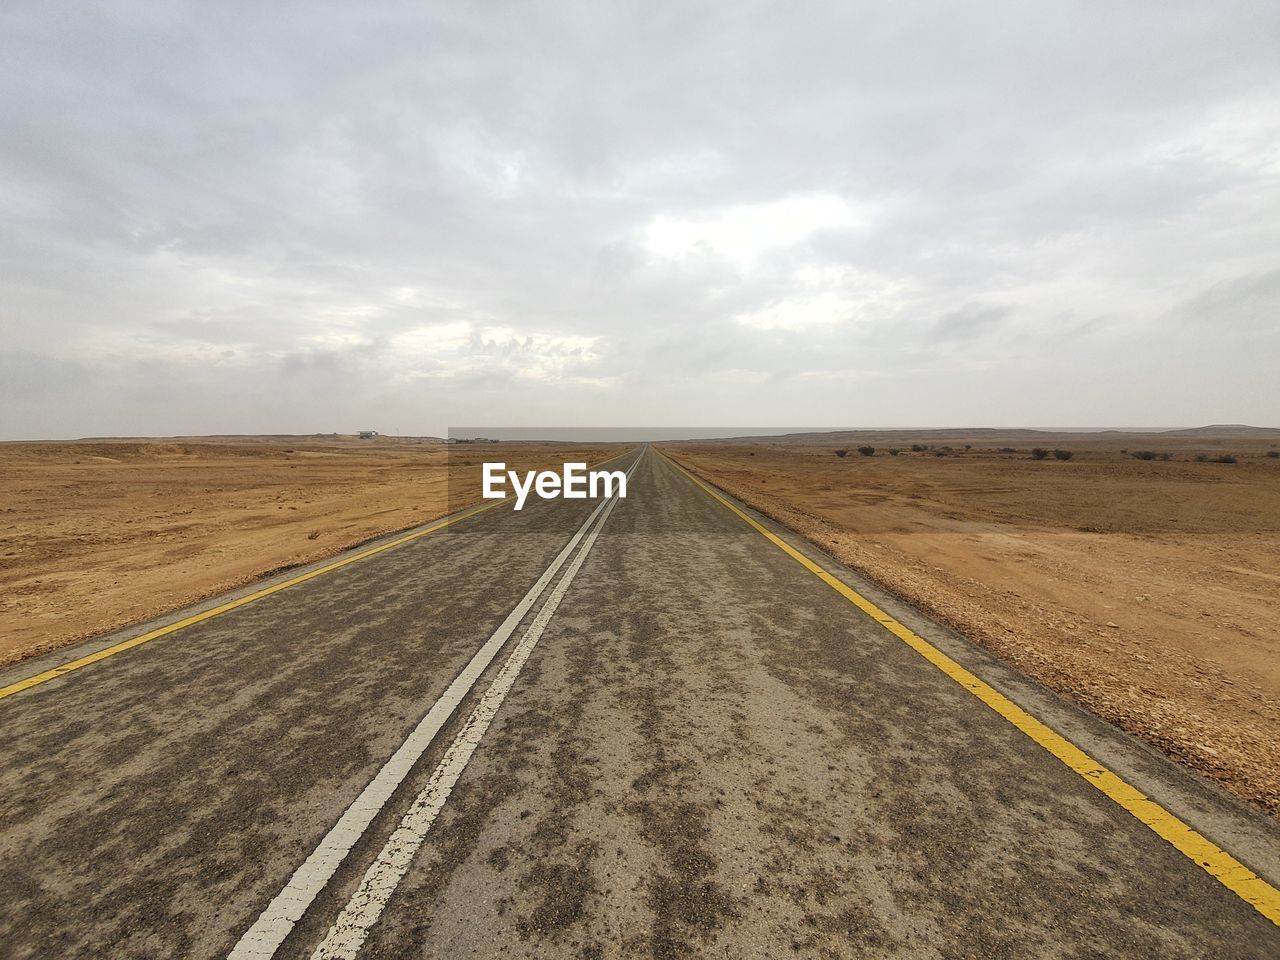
x: 574, y: 483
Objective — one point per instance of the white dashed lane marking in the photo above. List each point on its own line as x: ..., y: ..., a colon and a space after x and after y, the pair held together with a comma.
x: 263, y: 939
x: 362, y: 911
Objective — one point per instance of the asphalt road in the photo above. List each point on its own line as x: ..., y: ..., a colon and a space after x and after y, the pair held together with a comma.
x: 676, y: 741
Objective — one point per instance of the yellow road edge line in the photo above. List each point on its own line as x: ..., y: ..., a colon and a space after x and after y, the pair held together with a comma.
x: 1215, y: 861
x: 111, y: 651
x: 72, y: 665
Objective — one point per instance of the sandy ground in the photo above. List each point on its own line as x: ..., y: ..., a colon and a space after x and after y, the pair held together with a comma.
x: 709, y: 753
x: 1149, y: 591
x: 96, y: 535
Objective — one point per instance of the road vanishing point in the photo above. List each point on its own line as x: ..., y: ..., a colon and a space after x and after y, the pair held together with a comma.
x: 659, y: 726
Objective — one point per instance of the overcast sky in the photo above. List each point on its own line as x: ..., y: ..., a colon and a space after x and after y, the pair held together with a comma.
x: 275, y: 217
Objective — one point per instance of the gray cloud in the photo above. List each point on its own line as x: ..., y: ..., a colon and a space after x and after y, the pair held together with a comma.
x: 300, y: 217
x: 1239, y: 308
x: 970, y: 322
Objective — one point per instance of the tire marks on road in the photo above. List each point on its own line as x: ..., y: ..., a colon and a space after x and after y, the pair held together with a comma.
x: 362, y: 911
x: 1218, y: 863
x: 273, y: 926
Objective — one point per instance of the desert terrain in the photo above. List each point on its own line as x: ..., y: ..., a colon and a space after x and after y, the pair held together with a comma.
x: 96, y: 535
x: 660, y: 736
x: 1147, y: 590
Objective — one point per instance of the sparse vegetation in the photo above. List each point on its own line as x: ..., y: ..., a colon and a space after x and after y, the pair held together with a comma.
x: 1225, y: 458
x: 1039, y: 453
x: 313, y: 535
x: 968, y: 446
x: 867, y: 451
x: 842, y: 453
x: 1063, y: 454
x: 1201, y: 457
x: 1274, y: 454
x: 894, y: 451
x: 1145, y: 454
x: 928, y: 531
x: 919, y: 447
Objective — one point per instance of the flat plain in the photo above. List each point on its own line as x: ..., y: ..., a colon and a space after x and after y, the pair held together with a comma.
x: 1147, y: 590
x: 661, y: 726
x: 99, y: 534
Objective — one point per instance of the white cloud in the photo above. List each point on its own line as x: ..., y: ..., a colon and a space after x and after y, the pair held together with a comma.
x: 797, y: 313
x: 743, y: 232
x: 659, y: 213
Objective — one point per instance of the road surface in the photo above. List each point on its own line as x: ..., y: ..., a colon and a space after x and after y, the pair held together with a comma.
x: 637, y: 728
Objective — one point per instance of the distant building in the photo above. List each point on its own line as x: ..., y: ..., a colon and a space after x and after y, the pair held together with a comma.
x: 368, y: 434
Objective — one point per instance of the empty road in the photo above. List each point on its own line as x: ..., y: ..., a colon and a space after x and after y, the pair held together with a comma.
x: 639, y: 728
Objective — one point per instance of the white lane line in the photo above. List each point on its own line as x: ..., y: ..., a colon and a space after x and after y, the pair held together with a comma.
x: 362, y: 911
x: 263, y: 939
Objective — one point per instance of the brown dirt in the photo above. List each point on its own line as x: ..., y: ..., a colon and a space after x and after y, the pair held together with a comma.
x: 96, y: 535
x: 1148, y: 591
